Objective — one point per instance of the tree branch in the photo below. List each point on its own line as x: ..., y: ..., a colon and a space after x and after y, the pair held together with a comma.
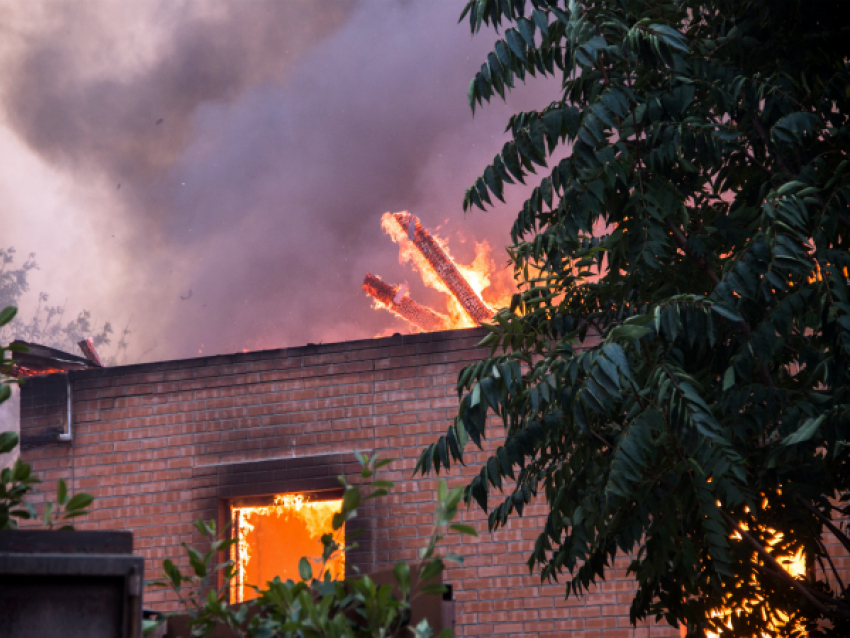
x: 826, y: 599
x: 603, y: 70
x: 831, y: 564
x: 842, y: 538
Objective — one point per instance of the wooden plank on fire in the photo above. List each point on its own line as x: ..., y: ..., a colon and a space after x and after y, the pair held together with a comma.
x: 387, y: 295
x: 445, y: 269
x: 87, y: 346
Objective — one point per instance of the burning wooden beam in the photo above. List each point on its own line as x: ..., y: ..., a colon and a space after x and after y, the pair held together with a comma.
x: 444, y: 268
x: 388, y: 296
x: 87, y: 346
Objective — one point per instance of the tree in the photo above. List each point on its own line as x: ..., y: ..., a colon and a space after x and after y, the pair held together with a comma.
x: 709, y: 140
x: 46, y: 326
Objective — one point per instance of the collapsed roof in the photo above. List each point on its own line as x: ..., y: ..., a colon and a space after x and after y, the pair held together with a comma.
x: 38, y: 360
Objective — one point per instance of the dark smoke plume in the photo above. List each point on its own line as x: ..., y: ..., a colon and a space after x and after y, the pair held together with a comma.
x: 245, y: 151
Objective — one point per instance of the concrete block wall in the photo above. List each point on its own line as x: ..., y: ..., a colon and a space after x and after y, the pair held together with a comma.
x: 159, y: 445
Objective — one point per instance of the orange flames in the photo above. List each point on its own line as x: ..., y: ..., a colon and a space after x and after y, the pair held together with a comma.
x: 472, y: 297
x: 272, y: 539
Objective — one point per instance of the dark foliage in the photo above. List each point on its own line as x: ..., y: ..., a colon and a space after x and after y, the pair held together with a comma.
x: 692, y: 208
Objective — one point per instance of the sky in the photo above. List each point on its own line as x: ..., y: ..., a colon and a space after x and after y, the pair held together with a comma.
x: 212, y: 174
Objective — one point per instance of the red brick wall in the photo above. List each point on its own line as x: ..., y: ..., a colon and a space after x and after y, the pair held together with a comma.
x: 150, y: 442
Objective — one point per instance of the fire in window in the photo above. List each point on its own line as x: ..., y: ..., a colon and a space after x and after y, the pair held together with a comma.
x: 272, y: 538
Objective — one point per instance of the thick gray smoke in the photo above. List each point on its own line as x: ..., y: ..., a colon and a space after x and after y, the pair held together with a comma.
x: 226, y: 165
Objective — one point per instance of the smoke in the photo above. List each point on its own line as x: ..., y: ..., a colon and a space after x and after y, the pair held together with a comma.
x: 215, y: 173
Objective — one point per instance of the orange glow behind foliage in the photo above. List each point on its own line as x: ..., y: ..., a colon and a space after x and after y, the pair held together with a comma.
x: 794, y: 564
x: 272, y: 539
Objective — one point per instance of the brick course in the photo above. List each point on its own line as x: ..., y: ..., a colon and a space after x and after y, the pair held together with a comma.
x: 162, y: 444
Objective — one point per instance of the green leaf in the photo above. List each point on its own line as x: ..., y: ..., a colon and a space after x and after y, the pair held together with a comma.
x: 681, y: 330
x: 351, y: 499
x: 402, y: 575
x: 630, y: 332
x: 305, y: 570
x: 588, y: 52
x: 432, y: 570
x: 79, y: 502
x: 469, y: 530
x: 8, y: 441
x: 434, y: 590
x: 541, y: 20
x: 172, y: 573
x: 516, y: 44
x: 379, y: 463
x: 454, y: 558
x: 196, y: 560
x: 729, y: 378
x: 805, y: 432
x: 526, y: 29
x: 61, y: 492
x: 7, y: 314
x: 725, y: 312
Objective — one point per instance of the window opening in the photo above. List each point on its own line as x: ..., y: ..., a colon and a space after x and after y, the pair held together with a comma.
x: 272, y: 538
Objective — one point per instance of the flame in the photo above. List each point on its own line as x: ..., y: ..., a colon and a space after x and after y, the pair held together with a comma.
x: 18, y: 371
x: 315, y: 516
x: 481, y: 274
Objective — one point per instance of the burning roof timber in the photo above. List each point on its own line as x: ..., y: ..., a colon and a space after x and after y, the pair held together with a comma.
x: 445, y: 268
x: 389, y: 296
x: 87, y: 346
x: 31, y: 359
x: 438, y: 270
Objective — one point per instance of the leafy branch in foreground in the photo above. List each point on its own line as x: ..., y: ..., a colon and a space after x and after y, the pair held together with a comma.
x: 318, y: 605
x: 17, y: 482
x: 691, y: 210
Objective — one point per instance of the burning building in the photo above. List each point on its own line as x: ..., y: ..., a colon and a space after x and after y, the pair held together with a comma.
x: 258, y: 440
